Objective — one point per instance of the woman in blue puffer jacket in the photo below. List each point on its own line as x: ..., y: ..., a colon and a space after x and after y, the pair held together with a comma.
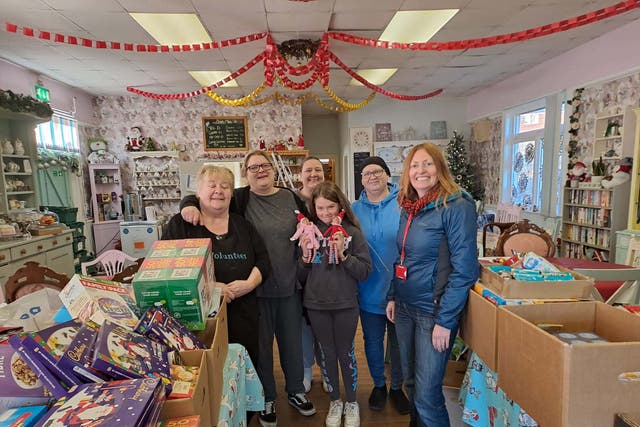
x: 437, y: 266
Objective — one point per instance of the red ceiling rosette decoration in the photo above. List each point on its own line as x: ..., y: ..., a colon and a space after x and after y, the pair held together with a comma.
x: 276, y: 66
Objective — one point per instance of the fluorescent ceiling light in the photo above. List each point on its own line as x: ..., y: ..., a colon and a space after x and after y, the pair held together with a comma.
x: 411, y: 26
x: 377, y: 76
x: 206, y: 78
x: 173, y: 28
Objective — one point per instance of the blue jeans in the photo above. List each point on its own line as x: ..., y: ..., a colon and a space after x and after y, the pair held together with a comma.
x: 422, y: 365
x: 373, y: 328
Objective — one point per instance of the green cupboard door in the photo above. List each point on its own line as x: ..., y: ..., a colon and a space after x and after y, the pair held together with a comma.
x: 53, y: 183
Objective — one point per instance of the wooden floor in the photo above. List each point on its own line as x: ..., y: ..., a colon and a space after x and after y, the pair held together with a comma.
x: 288, y: 416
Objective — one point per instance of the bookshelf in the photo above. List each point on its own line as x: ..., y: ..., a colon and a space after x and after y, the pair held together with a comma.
x: 590, y: 219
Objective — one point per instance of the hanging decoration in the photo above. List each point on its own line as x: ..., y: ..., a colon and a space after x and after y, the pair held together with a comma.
x: 275, y: 57
x: 65, y: 160
x: 24, y: 104
x: 574, y: 126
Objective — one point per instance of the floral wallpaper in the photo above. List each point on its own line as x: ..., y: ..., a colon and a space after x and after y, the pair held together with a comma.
x: 178, y: 124
x: 487, y: 156
x: 612, y: 97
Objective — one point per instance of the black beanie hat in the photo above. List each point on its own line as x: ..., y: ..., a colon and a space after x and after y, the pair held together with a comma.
x: 375, y: 160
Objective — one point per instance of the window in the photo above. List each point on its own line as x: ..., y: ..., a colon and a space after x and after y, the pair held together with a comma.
x: 531, y: 144
x: 61, y: 133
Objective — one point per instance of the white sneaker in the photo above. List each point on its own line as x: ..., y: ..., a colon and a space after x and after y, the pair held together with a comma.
x: 334, y: 417
x: 351, y: 414
x: 306, y: 381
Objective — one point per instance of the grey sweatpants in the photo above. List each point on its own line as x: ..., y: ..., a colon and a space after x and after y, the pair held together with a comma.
x: 335, y: 331
x: 280, y: 317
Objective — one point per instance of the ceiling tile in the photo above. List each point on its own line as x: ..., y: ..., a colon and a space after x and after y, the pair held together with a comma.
x: 313, y: 21
x: 347, y: 21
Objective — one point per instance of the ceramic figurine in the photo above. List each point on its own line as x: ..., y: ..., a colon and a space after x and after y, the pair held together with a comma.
x: 19, y: 149
x: 8, y: 147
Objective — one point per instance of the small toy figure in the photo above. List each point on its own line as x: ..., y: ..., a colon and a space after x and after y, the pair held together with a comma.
x: 578, y: 173
x: 307, y: 229
x: 261, y: 144
x: 332, y: 232
x: 301, y: 142
x: 135, y: 141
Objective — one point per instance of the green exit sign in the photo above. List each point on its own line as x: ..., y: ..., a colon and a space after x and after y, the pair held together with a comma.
x: 42, y: 94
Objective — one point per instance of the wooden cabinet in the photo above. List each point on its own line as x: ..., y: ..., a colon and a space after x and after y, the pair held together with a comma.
x: 55, y: 252
x: 106, y: 192
x: 18, y: 152
x: 329, y: 167
x: 590, y: 219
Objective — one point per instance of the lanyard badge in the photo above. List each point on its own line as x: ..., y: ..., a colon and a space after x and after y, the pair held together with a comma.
x: 401, y: 269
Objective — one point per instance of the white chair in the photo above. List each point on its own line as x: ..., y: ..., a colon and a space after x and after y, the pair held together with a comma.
x: 630, y: 276
x: 110, y: 262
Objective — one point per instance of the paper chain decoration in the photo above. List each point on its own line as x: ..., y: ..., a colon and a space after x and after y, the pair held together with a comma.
x: 277, y: 68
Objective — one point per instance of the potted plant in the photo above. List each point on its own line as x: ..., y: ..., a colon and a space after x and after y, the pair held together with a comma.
x: 599, y: 170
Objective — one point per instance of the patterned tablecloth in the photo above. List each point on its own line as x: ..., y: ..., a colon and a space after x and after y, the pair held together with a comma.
x: 484, y: 403
x: 242, y: 390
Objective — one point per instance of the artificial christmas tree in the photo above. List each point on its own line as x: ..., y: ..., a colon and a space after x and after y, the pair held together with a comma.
x: 460, y: 168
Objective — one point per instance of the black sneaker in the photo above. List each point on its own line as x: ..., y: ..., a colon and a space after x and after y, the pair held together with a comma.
x: 268, y: 416
x: 378, y: 398
x: 399, y: 401
x: 302, y: 404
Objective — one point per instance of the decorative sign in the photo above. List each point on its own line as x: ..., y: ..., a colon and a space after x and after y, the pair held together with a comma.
x: 439, y: 129
x: 383, y: 132
x: 361, y: 139
x: 225, y: 133
x: 42, y: 93
x: 358, y: 159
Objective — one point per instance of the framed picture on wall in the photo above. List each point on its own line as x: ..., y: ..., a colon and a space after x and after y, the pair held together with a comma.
x: 383, y: 132
x: 438, y: 130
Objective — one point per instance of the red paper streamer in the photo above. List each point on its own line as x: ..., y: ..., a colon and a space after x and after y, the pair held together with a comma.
x: 532, y: 33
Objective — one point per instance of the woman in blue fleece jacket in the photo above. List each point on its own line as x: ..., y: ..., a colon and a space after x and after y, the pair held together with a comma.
x: 432, y: 276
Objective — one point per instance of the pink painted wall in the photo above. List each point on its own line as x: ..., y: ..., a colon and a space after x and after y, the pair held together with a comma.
x: 610, y: 55
x: 21, y: 80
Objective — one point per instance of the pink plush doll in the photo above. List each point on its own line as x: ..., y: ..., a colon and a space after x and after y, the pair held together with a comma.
x: 307, y: 229
x: 335, y: 228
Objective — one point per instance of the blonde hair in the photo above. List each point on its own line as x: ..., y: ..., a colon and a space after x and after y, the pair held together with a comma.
x: 208, y: 170
x: 249, y: 155
x: 446, y: 184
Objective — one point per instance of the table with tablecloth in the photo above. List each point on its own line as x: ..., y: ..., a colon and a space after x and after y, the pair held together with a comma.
x: 241, y: 388
x: 484, y: 403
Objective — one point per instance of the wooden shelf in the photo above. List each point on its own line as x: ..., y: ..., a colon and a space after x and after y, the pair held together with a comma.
x: 298, y: 153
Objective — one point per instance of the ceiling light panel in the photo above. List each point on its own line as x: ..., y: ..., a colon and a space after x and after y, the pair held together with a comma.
x: 411, y: 26
x: 173, y: 28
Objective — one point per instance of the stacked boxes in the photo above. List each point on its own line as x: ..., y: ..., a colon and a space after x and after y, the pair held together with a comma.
x: 177, y: 274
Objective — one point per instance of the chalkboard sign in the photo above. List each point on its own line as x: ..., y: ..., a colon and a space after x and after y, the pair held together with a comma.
x: 358, y: 159
x: 225, y: 133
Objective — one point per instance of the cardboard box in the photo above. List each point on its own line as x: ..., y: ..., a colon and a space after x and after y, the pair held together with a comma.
x: 177, y: 274
x: 199, y: 403
x: 479, y: 329
x: 627, y: 420
x: 581, y: 287
x: 454, y: 374
x: 569, y: 385
x: 216, y: 337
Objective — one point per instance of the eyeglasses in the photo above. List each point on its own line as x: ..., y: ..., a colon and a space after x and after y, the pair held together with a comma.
x: 263, y: 166
x: 377, y: 173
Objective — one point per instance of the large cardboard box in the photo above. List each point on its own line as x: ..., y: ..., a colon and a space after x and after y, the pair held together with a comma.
x: 569, y: 385
x: 177, y: 274
x: 581, y: 287
x: 200, y: 402
x: 627, y: 420
x: 216, y: 337
x: 454, y: 374
x: 479, y: 329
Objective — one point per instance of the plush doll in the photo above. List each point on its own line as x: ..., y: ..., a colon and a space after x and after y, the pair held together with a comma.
x: 335, y: 228
x: 621, y: 175
x: 308, y: 229
x: 578, y: 172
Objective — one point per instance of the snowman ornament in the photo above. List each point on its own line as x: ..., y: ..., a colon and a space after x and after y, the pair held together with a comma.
x: 621, y: 175
x: 99, y: 153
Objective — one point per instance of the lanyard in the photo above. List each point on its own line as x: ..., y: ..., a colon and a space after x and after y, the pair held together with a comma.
x: 404, y: 238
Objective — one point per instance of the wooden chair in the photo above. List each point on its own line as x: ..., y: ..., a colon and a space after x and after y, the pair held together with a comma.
x: 633, y: 253
x: 525, y: 236
x: 111, y: 262
x: 489, y: 250
x: 33, y: 277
